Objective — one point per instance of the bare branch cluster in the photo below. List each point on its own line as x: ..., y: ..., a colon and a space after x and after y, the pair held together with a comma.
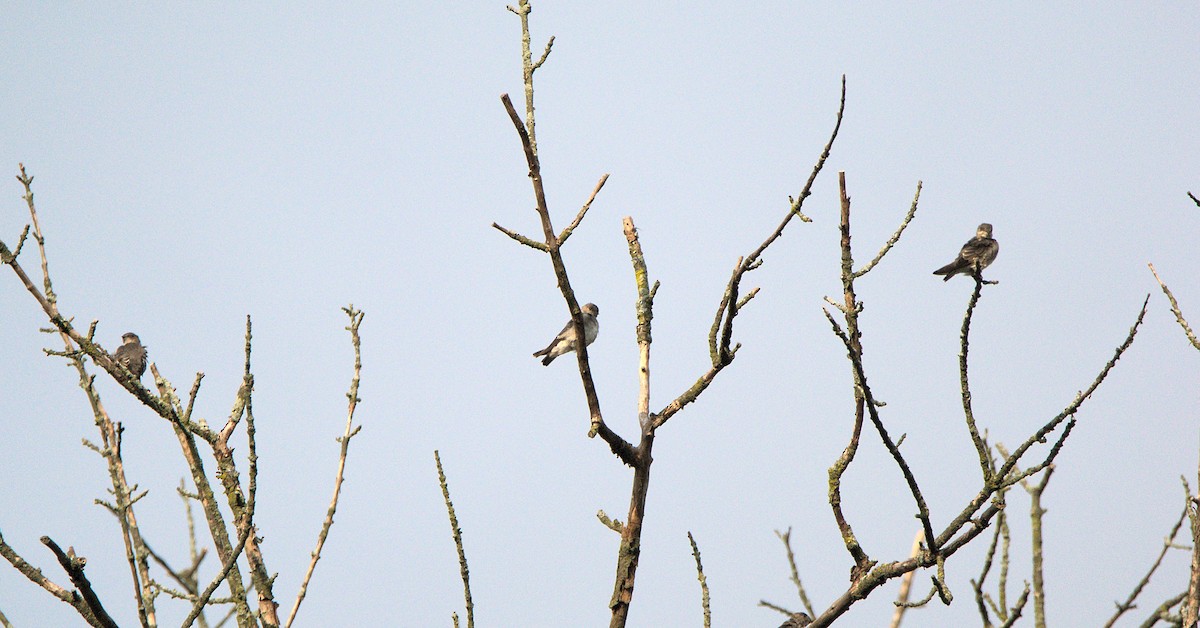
x: 239, y: 495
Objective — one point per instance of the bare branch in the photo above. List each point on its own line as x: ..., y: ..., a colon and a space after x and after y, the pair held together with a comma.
x: 1074, y: 406
x: 1163, y: 610
x: 522, y: 239
x: 356, y: 317
x: 1128, y: 604
x: 74, y: 565
x: 631, y: 533
x: 1175, y: 309
x: 619, y: 446
x: 566, y: 233
x: 245, y: 531
x: 703, y: 582
x: 863, y: 395
x: 906, y: 583
x: 35, y: 575
x: 965, y: 385
x: 912, y: 211
x: 456, y: 532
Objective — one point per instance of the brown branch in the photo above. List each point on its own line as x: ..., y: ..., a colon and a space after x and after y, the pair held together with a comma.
x: 1194, y: 199
x: 882, y: 573
x: 631, y: 534
x: 1128, y: 604
x: 522, y: 239
x: 528, y: 67
x: 1035, y: 515
x: 854, y: 349
x: 110, y: 433
x: 74, y: 566
x: 35, y: 575
x: 456, y: 533
x: 721, y: 354
x: 1015, y: 613
x: 968, y: 524
x: 618, y: 445
x: 965, y: 383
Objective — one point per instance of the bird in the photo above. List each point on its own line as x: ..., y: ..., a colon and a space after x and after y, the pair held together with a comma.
x: 132, y: 355
x: 979, y: 251
x: 564, y: 342
x: 797, y: 620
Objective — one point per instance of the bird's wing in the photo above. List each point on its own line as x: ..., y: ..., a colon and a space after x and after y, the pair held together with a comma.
x: 976, y: 248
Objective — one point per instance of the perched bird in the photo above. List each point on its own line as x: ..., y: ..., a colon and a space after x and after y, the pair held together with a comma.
x: 978, y: 251
x: 132, y: 354
x: 797, y: 620
x: 564, y: 342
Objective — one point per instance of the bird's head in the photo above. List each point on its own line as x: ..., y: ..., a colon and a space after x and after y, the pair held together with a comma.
x: 590, y: 309
x: 130, y: 338
x: 984, y: 230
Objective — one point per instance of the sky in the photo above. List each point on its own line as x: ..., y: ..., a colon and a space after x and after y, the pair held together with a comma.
x: 194, y: 165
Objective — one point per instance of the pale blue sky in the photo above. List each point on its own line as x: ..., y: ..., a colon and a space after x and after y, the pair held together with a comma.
x: 196, y: 164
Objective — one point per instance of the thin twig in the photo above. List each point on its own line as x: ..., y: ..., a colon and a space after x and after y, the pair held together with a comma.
x: 912, y: 211
x: 541, y: 246
x: 703, y: 582
x: 906, y: 583
x: 786, y: 538
x: 1175, y: 309
x: 456, y: 533
x: 245, y: 531
x: 1080, y: 398
x: 1128, y: 604
x: 566, y: 233
x: 356, y: 317
x: 1163, y: 610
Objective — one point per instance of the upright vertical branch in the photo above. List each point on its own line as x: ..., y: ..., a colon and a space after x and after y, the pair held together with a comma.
x: 631, y: 534
x: 356, y: 317
x: 1035, y: 514
x: 529, y: 66
x: 456, y: 533
x: 703, y: 582
x: 906, y: 584
x: 1191, y: 603
x: 965, y: 385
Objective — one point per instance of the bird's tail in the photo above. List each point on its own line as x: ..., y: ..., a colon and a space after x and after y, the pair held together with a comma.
x: 548, y: 359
